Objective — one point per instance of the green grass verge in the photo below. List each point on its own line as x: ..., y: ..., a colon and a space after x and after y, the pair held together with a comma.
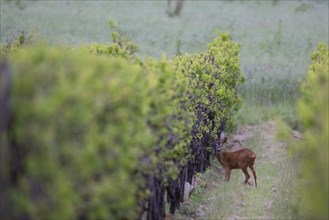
x: 254, y: 113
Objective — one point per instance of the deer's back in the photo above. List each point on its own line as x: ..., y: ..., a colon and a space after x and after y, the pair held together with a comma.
x: 239, y: 158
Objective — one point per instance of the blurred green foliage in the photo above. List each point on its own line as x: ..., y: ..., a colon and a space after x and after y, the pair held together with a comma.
x: 87, y: 131
x: 313, y: 108
x: 78, y: 130
x: 121, y: 46
x: 20, y: 39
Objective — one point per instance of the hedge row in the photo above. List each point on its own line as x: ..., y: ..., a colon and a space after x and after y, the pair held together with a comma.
x: 313, y: 108
x: 96, y: 133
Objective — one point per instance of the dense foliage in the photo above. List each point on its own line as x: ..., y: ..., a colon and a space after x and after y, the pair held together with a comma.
x: 108, y: 136
x: 77, y: 132
x: 313, y: 107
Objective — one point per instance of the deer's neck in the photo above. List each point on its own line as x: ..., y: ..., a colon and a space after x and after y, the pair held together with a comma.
x: 219, y: 154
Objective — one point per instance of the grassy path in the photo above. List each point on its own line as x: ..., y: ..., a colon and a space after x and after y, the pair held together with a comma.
x: 216, y: 199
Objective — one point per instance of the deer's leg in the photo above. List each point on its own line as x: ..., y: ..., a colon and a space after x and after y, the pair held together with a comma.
x: 227, y: 173
x: 254, y: 173
x: 246, y: 174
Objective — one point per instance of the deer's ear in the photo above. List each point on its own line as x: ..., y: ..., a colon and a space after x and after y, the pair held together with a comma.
x: 224, y: 140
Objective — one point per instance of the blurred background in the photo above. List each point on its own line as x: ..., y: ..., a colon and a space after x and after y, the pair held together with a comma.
x: 276, y: 37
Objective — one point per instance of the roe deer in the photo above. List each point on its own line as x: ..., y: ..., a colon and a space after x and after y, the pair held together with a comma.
x: 239, y: 159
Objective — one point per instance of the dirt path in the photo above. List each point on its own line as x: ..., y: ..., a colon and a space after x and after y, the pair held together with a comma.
x: 216, y: 199
x: 268, y: 153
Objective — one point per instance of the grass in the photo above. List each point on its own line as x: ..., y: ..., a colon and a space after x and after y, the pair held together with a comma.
x: 254, y: 113
x: 285, y: 200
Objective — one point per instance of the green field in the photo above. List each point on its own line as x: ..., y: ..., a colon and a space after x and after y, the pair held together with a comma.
x: 276, y: 38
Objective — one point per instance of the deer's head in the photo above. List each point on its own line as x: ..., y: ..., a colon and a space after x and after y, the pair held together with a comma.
x: 220, y: 144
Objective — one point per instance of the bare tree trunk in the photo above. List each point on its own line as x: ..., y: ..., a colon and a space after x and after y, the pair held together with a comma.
x: 4, y: 94
x: 178, y: 7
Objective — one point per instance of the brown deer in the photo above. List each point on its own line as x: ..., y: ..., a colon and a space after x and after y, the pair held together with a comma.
x: 239, y: 159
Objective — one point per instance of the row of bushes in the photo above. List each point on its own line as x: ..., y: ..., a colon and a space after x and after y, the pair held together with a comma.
x: 97, y: 133
x: 313, y: 108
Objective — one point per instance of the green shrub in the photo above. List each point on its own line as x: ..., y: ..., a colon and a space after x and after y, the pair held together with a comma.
x: 313, y: 107
x: 103, y: 137
x: 121, y: 45
x: 77, y: 133
x: 214, y: 77
x: 86, y: 130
